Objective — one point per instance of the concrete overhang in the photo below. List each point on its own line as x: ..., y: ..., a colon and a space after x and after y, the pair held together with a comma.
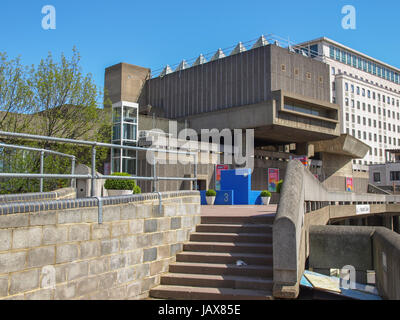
x: 344, y: 145
x: 273, y: 122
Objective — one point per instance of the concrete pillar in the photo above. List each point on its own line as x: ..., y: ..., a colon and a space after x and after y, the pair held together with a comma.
x: 305, y: 149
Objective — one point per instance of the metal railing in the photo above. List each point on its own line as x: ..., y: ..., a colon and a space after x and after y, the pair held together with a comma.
x: 93, y: 176
x: 42, y: 153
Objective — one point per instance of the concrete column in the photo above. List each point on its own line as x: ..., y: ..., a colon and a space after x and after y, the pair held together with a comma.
x: 305, y: 149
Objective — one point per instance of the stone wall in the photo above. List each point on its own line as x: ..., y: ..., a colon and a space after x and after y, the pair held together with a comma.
x: 63, y: 253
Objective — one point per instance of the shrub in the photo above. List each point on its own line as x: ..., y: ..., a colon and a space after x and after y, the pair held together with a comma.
x: 117, y: 184
x: 265, y: 193
x: 279, y: 186
x: 137, y: 190
x: 211, y: 193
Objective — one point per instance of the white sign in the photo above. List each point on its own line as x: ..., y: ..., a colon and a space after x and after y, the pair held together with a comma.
x: 363, y: 209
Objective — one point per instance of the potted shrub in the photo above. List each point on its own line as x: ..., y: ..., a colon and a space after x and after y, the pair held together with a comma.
x: 118, y: 187
x: 137, y: 190
x: 266, y: 197
x: 210, y: 196
x: 279, y: 186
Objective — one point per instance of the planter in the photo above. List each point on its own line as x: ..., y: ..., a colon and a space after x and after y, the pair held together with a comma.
x: 266, y: 200
x: 210, y: 200
x: 112, y: 193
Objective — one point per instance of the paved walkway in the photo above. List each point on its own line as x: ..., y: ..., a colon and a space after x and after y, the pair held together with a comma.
x: 238, y: 210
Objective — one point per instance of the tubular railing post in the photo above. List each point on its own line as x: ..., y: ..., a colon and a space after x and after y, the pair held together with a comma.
x: 73, y: 181
x: 154, y: 175
x: 195, y: 172
x: 41, y: 169
x: 92, y: 191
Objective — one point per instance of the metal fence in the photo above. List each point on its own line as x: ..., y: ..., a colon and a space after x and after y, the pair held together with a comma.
x: 42, y: 153
x: 93, y: 176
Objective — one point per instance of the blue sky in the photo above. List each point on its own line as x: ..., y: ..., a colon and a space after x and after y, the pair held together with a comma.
x: 155, y: 33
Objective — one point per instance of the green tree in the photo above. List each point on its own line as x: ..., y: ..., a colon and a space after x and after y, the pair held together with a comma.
x: 63, y: 102
x: 16, y: 97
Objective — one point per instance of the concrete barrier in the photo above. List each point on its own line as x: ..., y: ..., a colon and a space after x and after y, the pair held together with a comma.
x: 364, y: 248
x: 288, y: 233
x: 305, y: 202
x: 58, y: 250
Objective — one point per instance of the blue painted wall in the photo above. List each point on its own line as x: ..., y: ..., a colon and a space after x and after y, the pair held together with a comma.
x: 235, y: 189
x: 238, y: 180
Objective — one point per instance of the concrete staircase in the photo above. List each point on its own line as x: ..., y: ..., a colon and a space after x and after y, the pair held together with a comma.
x: 207, y: 268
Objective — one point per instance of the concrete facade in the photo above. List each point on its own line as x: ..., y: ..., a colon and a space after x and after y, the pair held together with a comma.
x: 251, y: 90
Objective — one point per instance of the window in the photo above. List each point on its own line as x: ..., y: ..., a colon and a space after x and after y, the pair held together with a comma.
x: 394, y: 175
x: 363, y: 92
x: 358, y: 120
x: 353, y: 118
x: 377, y: 177
x: 346, y: 101
x: 346, y: 86
x: 358, y: 90
x: 332, y: 52
x: 352, y: 103
x: 352, y: 88
x: 369, y: 94
x: 347, y: 116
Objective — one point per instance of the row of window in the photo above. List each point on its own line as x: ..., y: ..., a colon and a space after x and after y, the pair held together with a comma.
x: 373, y: 109
x: 394, y: 176
x: 368, y: 136
x: 370, y: 94
x: 372, y: 123
x: 363, y: 64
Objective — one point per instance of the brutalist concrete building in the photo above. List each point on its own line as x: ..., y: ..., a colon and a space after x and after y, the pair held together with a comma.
x: 281, y: 94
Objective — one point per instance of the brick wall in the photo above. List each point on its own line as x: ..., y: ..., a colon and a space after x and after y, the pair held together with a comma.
x: 66, y: 254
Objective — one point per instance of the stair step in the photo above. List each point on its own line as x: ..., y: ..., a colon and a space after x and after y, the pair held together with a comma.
x: 221, y: 269
x: 216, y: 281
x: 228, y: 247
x: 231, y: 237
x: 205, y: 293
x: 221, y: 257
x: 261, y: 219
x: 235, y: 228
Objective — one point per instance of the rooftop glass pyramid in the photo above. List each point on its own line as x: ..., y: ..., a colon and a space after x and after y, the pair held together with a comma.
x: 260, y: 42
x: 238, y: 49
x: 182, y: 66
x: 165, y: 71
x: 200, y: 60
x: 218, y: 55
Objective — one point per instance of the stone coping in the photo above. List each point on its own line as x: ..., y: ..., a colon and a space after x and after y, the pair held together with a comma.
x: 37, y: 206
x: 23, y: 197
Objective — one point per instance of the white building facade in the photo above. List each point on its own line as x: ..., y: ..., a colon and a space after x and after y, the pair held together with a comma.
x: 368, y: 92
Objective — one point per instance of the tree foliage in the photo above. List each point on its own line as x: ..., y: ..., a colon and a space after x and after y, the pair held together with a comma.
x: 56, y: 99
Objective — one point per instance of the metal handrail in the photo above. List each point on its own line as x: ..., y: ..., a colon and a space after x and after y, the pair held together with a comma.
x: 93, y: 175
x: 42, y: 152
